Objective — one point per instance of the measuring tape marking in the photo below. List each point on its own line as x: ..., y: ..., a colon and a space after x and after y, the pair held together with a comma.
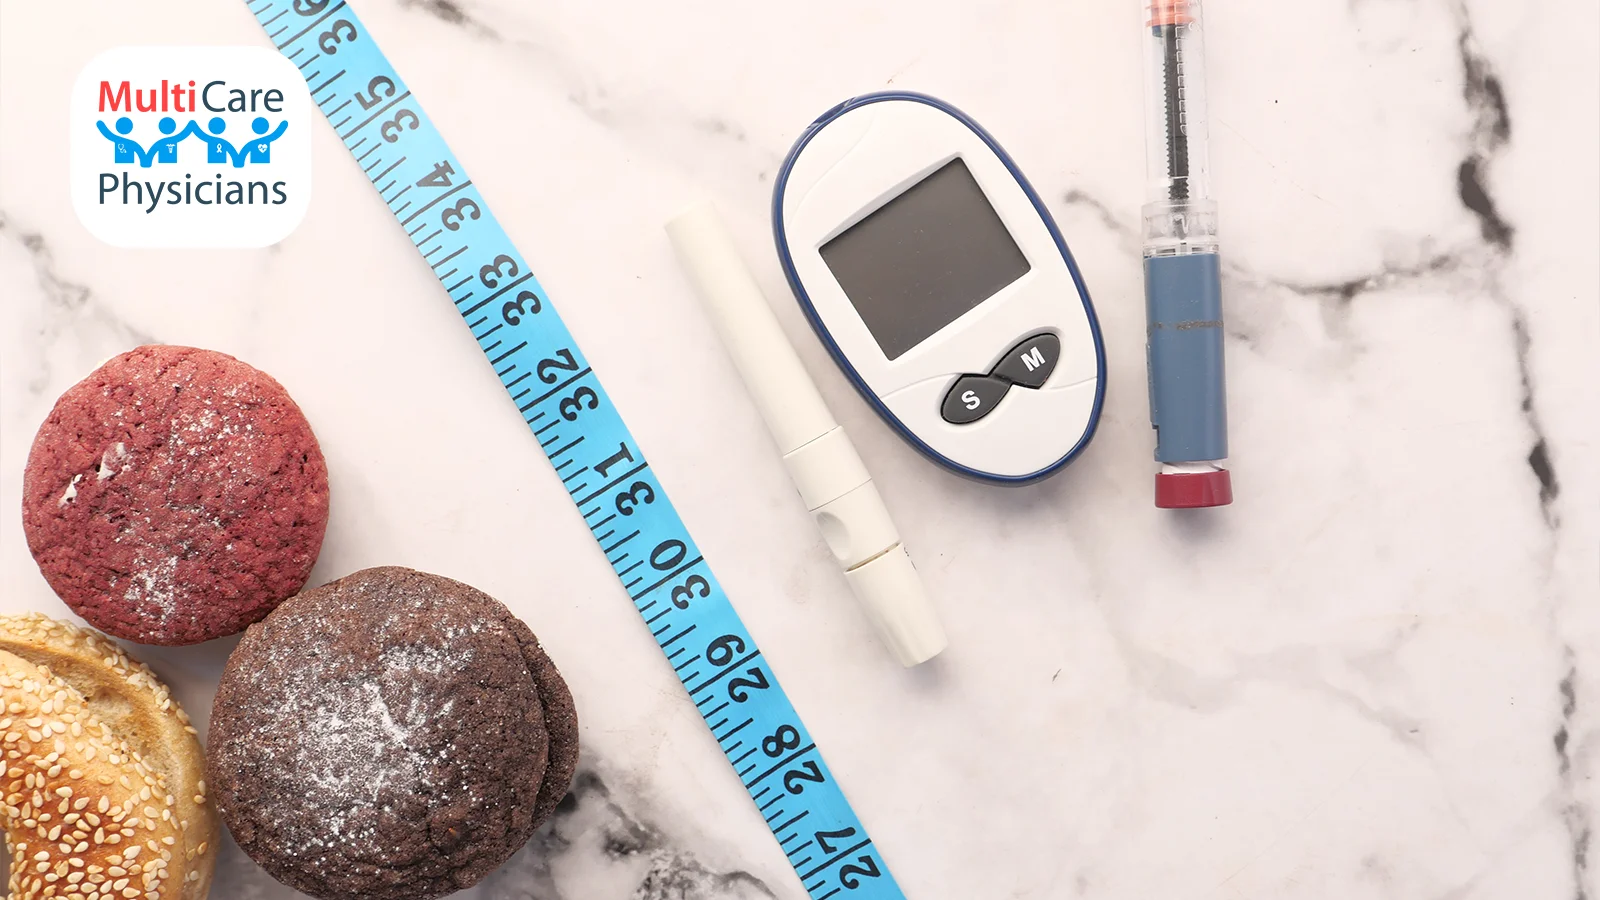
x: 556, y: 391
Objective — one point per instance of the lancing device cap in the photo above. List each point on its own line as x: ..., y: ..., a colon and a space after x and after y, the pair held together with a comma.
x: 832, y: 481
x: 891, y: 594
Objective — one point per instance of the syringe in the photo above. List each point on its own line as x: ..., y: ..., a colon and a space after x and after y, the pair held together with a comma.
x: 1183, y: 288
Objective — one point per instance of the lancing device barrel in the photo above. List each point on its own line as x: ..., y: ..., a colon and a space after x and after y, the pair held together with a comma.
x: 1182, y: 272
x: 832, y: 481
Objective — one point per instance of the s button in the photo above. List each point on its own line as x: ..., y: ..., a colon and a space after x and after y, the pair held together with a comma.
x: 972, y: 397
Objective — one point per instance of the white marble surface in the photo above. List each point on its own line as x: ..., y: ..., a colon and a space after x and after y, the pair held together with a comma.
x: 1376, y: 676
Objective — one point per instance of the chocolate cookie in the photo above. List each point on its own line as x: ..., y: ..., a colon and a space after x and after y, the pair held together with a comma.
x: 174, y: 496
x: 393, y: 735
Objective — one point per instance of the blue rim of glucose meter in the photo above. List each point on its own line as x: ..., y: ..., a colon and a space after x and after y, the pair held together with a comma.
x: 844, y: 362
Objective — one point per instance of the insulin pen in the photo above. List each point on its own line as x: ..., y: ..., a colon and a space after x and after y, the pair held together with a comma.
x: 1182, y: 274
x: 832, y: 481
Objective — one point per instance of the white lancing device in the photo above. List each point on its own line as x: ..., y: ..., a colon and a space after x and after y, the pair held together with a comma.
x: 832, y: 481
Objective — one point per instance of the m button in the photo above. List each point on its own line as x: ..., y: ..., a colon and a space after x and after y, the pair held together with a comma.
x: 1030, y: 363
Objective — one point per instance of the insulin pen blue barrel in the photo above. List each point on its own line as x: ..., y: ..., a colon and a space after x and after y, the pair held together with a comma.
x: 1188, y: 405
x: 1186, y: 367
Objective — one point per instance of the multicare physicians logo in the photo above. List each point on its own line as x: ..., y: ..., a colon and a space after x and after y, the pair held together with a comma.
x: 190, y: 147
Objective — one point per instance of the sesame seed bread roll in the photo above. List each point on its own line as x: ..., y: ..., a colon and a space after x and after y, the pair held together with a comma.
x: 104, y: 797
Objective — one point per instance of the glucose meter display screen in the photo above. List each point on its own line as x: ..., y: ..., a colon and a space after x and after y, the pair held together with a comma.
x: 929, y: 255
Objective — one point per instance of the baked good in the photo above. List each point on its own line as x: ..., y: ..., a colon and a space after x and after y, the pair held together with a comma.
x: 104, y: 781
x: 392, y: 735
x: 174, y: 496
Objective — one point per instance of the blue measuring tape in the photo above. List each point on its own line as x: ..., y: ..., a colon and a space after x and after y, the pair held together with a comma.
x: 606, y: 475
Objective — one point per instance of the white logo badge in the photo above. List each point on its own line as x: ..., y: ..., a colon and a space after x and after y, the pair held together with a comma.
x: 190, y: 147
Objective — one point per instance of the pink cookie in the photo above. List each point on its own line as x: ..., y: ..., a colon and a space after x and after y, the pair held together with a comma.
x: 174, y: 496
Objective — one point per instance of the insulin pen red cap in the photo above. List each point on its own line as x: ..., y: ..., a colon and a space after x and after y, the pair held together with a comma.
x: 1169, y: 12
x: 1193, y: 490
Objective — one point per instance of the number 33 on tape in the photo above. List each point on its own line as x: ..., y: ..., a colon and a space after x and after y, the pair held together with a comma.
x: 604, y: 472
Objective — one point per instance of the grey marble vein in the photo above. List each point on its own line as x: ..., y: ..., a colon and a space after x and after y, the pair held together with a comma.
x: 1575, y: 814
x: 1486, y: 98
x: 594, y: 834
x: 640, y: 112
x: 593, y: 824
x: 1169, y: 680
x: 68, y: 303
x: 1491, y: 135
x: 452, y: 13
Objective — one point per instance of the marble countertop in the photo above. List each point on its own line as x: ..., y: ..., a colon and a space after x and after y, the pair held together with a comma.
x: 1376, y: 676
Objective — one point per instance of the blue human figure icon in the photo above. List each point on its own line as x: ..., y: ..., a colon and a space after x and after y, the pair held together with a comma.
x: 260, y: 149
x: 125, y: 149
x: 218, y: 150
x: 166, y: 151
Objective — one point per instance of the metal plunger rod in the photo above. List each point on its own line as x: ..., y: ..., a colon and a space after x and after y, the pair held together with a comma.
x: 1177, y: 129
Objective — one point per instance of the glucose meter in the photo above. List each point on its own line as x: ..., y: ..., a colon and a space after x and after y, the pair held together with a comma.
x: 942, y: 287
